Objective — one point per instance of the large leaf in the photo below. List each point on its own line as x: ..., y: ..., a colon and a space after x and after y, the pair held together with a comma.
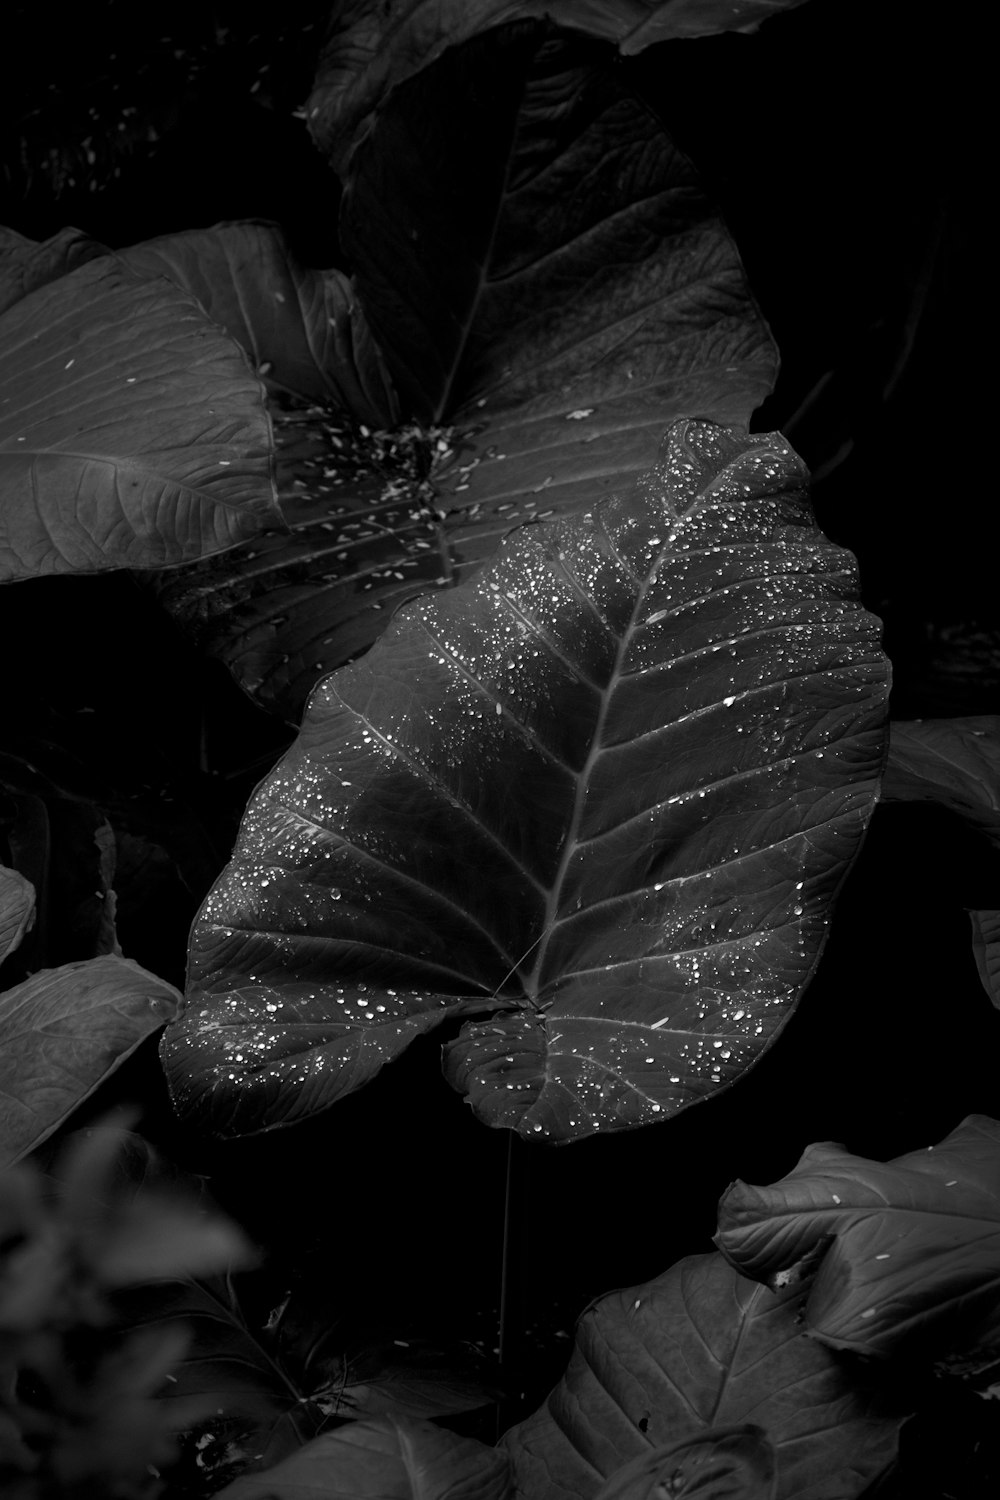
x: 389, y: 1459
x: 609, y: 788
x: 132, y: 430
x: 986, y: 947
x: 550, y: 287
x: 910, y: 1247
x: 302, y: 328
x: 17, y: 909
x: 369, y: 49
x: 62, y: 1032
x: 698, y: 1348
x: 25, y: 264
x: 729, y: 1463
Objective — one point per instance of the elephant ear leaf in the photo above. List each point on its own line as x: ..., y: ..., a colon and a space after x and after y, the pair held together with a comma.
x: 690, y: 1359
x: 17, y: 909
x: 908, y: 1249
x: 133, y: 432
x: 26, y: 264
x: 606, y: 790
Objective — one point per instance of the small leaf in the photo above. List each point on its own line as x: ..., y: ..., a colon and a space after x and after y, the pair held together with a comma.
x: 369, y: 51
x: 698, y: 1348
x: 914, y: 1243
x: 608, y: 789
x: 17, y: 909
x: 62, y: 1032
x: 302, y: 329
x: 133, y: 433
x: 952, y: 761
x: 986, y: 947
x: 391, y: 1459
x: 725, y: 1463
x: 26, y: 264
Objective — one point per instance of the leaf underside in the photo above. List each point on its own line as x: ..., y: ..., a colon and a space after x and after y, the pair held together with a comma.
x: 698, y: 1348
x: 607, y: 790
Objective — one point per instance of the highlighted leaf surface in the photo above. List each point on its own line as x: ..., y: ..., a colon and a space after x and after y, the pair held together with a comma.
x: 607, y: 789
x: 699, y: 1348
x: 133, y: 432
x: 913, y: 1257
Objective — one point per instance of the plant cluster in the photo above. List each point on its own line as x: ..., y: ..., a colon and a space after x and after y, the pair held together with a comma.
x: 575, y: 721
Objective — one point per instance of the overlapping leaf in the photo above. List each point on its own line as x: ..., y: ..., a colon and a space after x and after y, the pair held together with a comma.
x: 398, y: 1457
x: 698, y: 1348
x: 550, y: 287
x: 608, y: 789
x: 132, y: 430
x: 62, y: 1032
x: 370, y: 49
x: 302, y: 328
x: 910, y: 1248
x: 986, y: 947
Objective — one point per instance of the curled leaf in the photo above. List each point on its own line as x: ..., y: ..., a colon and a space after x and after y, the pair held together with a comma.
x: 911, y: 1247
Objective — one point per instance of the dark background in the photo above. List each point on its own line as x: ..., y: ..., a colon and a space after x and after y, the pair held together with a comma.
x: 844, y: 146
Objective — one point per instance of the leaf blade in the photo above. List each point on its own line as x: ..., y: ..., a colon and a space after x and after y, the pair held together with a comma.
x: 496, y: 763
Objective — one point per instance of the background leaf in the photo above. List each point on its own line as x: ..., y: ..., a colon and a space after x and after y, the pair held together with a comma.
x: 914, y: 1243
x: 369, y: 50
x: 399, y: 1458
x: 697, y: 1348
x: 986, y: 947
x: 25, y: 264
x: 302, y: 329
x: 17, y: 909
x: 62, y: 1032
x: 133, y: 432
x: 952, y: 761
x: 609, y: 788
x: 726, y: 1463
x: 550, y: 286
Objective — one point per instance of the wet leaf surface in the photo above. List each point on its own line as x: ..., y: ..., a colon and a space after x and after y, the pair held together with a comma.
x: 607, y: 790
x: 550, y: 287
x: 910, y: 1248
x: 133, y: 432
x: 734, y: 1463
x: 26, y: 264
x: 697, y: 1348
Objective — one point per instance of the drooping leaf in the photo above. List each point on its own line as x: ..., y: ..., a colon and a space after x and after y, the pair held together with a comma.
x: 952, y: 761
x: 132, y: 431
x: 986, y: 947
x: 17, y: 909
x: 369, y: 49
x: 62, y: 1032
x: 302, y: 329
x: 551, y: 287
x: 26, y: 264
x: 727, y: 1463
x: 388, y: 1459
x: 698, y: 1348
x: 913, y: 1245
x: 608, y: 788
